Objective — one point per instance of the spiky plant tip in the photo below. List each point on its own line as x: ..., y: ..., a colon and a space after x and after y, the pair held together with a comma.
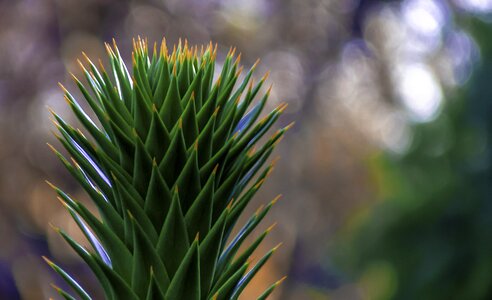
x: 53, y: 227
x: 277, y: 246
x: 49, y: 262
x: 171, y: 168
x: 269, y: 229
x: 275, y: 200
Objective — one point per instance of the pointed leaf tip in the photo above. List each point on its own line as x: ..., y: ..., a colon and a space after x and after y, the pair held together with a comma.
x: 62, y: 87
x: 51, y: 185
x: 281, y: 108
x: 276, y: 247
x: 276, y: 199
x: 281, y: 280
x: 269, y: 229
x: 55, y: 228
x: 289, y: 126
x: 255, y: 64
x: 47, y: 260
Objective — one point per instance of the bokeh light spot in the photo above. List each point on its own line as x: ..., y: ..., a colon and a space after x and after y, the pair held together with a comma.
x: 424, y: 17
x: 419, y: 91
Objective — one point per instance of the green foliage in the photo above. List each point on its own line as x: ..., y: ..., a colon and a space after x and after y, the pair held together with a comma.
x: 171, y: 164
x: 431, y: 238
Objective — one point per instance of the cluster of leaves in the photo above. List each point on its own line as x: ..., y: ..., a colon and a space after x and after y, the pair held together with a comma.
x: 170, y: 167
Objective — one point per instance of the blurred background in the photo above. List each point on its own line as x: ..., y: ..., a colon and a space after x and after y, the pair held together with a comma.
x: 386, y: 177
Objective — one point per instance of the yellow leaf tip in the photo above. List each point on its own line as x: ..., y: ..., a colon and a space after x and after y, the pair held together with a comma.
x: 51, y: 185
x: 289, y: 126
x: 62, y: 87
x: 276, y: 247
x: 281, y: 280
x: 55, y: 228
x: 275, y: 200
x: 282, y: 107
x: 255, y: 64
x: 271, y: 227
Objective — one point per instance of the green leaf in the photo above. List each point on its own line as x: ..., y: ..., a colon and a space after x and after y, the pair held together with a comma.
x: 209, y: 106
x: 115, y: 248
x: 171, y: 109
x: 158, y: 198
x: 68, y: 279
x: 173, y: 243
x: 96, y: 133
x: 248, y: 138
x: 126, y: 147
x: 94, y: 78
x: 231, y: 250
x: 96, y: 245
x: 223, y: 291
x: 114, y: 105
x: 186, y: 283
x: 142, y: 167
x: 120, y: 287
x: 246, y: 121
x: 146, y: 258
x: 199, y: 216
x: 190, y: 125
x: 189, y: 89
x: 184, y: 76
x: 158, y: 139
x: 92, y: 262
x: 209, y: 253
x: 153, y: 291
x: 136, y: 210
x: 125, y: 183
x: 222, y: 196
x: 268, y: 291
x: 240, y: 204
x: 62, y: 293
x: 107, y: 212
x: 209, y: 62
x: 225, y: 72
x: 205, y: 140
x: 163, y: 81
x: 88, y: 164
x: 224, y: 95
x: 222, y: 133
x: 121, y: 75
x: 198, y: 87
x: 234, y: 266
x: 265, y: 149
x: 140, y: 72
x: 215, y: 160
x: 95, y: 106
x: 237, y: 95
x: 247, y: 278
x: 189, y: 180
x: 142, y: 113
x: 175, y: 157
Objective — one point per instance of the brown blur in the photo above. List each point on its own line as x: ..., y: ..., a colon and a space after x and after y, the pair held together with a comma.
x: 344, y: 67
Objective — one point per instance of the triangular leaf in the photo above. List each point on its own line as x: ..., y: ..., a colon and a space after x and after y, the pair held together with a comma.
x: 186, y: 283
x: 173, y: 243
